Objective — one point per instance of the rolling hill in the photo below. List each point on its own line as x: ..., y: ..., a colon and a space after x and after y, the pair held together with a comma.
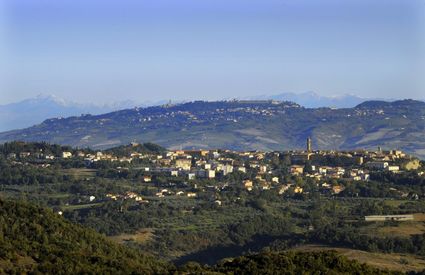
x: 242, y: 125
x: 37, y: 241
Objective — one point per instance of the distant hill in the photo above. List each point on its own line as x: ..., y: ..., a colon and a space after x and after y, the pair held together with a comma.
x: 30, y: 111
x: 37, y: 241
x: 314, y: 100
x: 242, y: 125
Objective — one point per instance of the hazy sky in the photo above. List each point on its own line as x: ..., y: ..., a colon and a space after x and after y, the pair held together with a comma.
x: 103, y: 50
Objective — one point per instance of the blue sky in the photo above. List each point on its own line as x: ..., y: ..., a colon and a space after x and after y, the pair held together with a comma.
x: 105, y: 51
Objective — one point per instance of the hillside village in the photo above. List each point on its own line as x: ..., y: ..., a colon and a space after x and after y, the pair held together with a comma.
x: 192, y: 172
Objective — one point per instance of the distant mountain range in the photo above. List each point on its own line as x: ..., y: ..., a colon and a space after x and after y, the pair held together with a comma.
x: 242, y: 125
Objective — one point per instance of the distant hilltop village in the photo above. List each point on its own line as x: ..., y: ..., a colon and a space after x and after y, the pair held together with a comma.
x: 284, y: 171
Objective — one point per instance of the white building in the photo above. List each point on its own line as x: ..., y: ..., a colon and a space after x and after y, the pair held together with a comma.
x: 393, y: 168
x: 191, y: 176
x: 66, y: 155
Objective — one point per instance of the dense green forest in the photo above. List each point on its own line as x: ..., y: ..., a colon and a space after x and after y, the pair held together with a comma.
x: 294, y: 263
x: 36, y: 240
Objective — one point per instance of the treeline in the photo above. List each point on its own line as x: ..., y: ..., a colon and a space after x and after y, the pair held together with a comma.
x: 147, y: 147
x: 29, y: 175
x: 342, y: 235
x: 18, y: 147
x: 408, y: 179
x: 288, y: 263
x: 379, y: 189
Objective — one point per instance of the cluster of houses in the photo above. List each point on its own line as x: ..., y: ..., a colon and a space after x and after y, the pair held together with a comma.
x: 126, y: 196
x: 328, y: 172
x: 355, y: 164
